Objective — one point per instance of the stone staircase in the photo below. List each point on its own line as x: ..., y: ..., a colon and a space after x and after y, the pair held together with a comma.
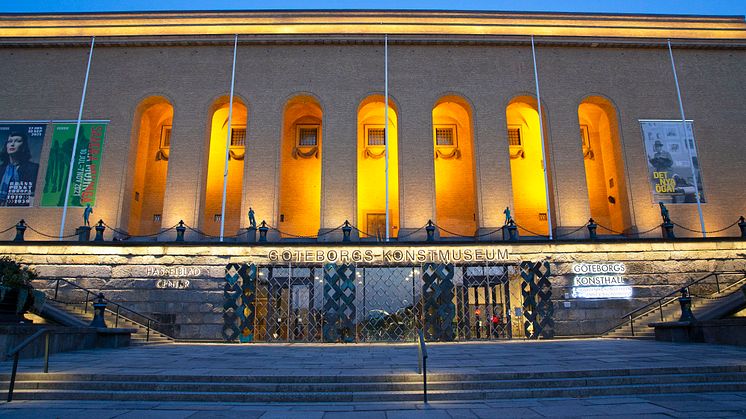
x: 377, y: 388
x: 140, y: 337
x: 671, y: 311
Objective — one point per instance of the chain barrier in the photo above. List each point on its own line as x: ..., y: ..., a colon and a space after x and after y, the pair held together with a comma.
x: 640, y: 233
x: 490, y: 232
x: 47, y: 235
x: 529, y: 231
x: 399, y: 237
x: 610, y: 229
x: 570, y: 233
x: 706, y: 232
x: 451, y: 232
x: 300, y: 236
x: 129, y: 236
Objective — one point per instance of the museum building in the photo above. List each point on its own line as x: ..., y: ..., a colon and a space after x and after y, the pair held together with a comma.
x: 386, y: 120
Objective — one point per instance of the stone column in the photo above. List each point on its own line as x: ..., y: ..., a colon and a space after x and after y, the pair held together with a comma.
x: 492, y: 160
x: 416, y: 166
x: 338, y: 167
x: 571, y: 207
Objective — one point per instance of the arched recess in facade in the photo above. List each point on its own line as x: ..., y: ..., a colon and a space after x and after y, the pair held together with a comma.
x: 371, y: 178
x: 455, y: 199
x: 300, y: 167
x: 604, y: 167
x: 526, y: 166
x: 213, y: 194
x: 152, y: 131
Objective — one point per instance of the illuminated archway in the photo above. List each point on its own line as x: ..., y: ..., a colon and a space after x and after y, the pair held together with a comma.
x: 300, y: 168
x: 607, y: 189
x: 371, y: 178
x: 213, y: 196
x: 153, y: 121
x: 530, y: 209
x: 455, y: 201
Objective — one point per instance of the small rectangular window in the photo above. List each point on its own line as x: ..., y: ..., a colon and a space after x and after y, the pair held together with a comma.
x: 238, y: 137
x: 307, y: 136
x: 543, y: 216
x: 165, y: 136
x: 375, y: 135
x: 514, y: 136
x: 156, y: 218
x: 445, y: 135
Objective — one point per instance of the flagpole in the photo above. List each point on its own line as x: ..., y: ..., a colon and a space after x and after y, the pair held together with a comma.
x: 386, y: 126
x: 686, y: 141
x: 75, y: 141
x: 541, y: 133
x: 228, y: 139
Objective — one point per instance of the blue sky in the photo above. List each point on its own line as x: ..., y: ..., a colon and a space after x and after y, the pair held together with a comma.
x: 700, y: 7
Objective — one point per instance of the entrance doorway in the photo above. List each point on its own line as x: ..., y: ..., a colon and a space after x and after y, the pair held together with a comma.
x: 364, y: 303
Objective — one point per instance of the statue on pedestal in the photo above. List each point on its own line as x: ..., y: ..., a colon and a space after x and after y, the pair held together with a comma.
x: 664, y: 213
x: 87, y: 214
x: 252, y: 220
x: 508, y: 218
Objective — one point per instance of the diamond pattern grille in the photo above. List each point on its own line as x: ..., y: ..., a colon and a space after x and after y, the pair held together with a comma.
x: 358, y: 303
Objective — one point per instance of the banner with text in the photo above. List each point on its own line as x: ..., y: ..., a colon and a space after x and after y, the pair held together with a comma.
x: 19, y: 162
x: 86, y: 165
x: 672, y: 162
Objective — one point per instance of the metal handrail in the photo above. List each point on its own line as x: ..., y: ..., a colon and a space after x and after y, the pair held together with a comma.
x: 660, y: 301
x: 672, y: 293
x: 116, y: 313
x: 422, y: 363
x: 16, y: 352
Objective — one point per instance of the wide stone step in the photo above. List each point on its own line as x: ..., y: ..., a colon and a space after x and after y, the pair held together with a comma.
x: 433, y: 376
x: 24, y: 394
x: 207, y: 387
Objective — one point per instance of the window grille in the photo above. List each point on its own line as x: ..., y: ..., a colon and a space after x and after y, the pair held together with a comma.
x: 156, y: 218
x: 166, y: 136
x: 376, y: 136
x: 444, y: 136
x: 238, y: 137
x: 308, y: 136
x: 514, y: 136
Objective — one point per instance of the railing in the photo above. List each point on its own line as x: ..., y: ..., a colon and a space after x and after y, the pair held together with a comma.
x: 422, y: 363
x: 669, y: 298
x: 147, y: 320
x: 16, y: 352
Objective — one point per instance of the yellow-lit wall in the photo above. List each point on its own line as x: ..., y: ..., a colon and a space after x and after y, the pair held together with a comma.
x: 604, y: 169
x: 300, y: 178
x: 371, y: 175
x: 215, y: 169
x: 149, y: 180
x: 454, y: 177
x: 527, y: 174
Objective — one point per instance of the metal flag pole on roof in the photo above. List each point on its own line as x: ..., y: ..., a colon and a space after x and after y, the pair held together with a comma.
x: 541, y: 133
x: 75, y: 141
x: 686, y: 141
x: 386, y: 126
x: 228, y: 139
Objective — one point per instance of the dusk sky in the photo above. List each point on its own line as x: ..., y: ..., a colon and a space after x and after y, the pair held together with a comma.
x: 699, y: 7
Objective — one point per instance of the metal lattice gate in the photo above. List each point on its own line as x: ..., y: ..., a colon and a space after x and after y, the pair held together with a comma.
x: 359, y: 303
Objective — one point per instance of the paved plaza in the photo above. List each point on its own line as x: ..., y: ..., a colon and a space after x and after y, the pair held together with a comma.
x: 386, y: 359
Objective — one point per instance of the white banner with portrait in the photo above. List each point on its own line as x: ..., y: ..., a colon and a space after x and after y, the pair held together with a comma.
x: 673, y: 166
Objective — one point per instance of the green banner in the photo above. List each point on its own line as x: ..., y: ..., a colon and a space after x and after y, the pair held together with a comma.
x: 86, y: 165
